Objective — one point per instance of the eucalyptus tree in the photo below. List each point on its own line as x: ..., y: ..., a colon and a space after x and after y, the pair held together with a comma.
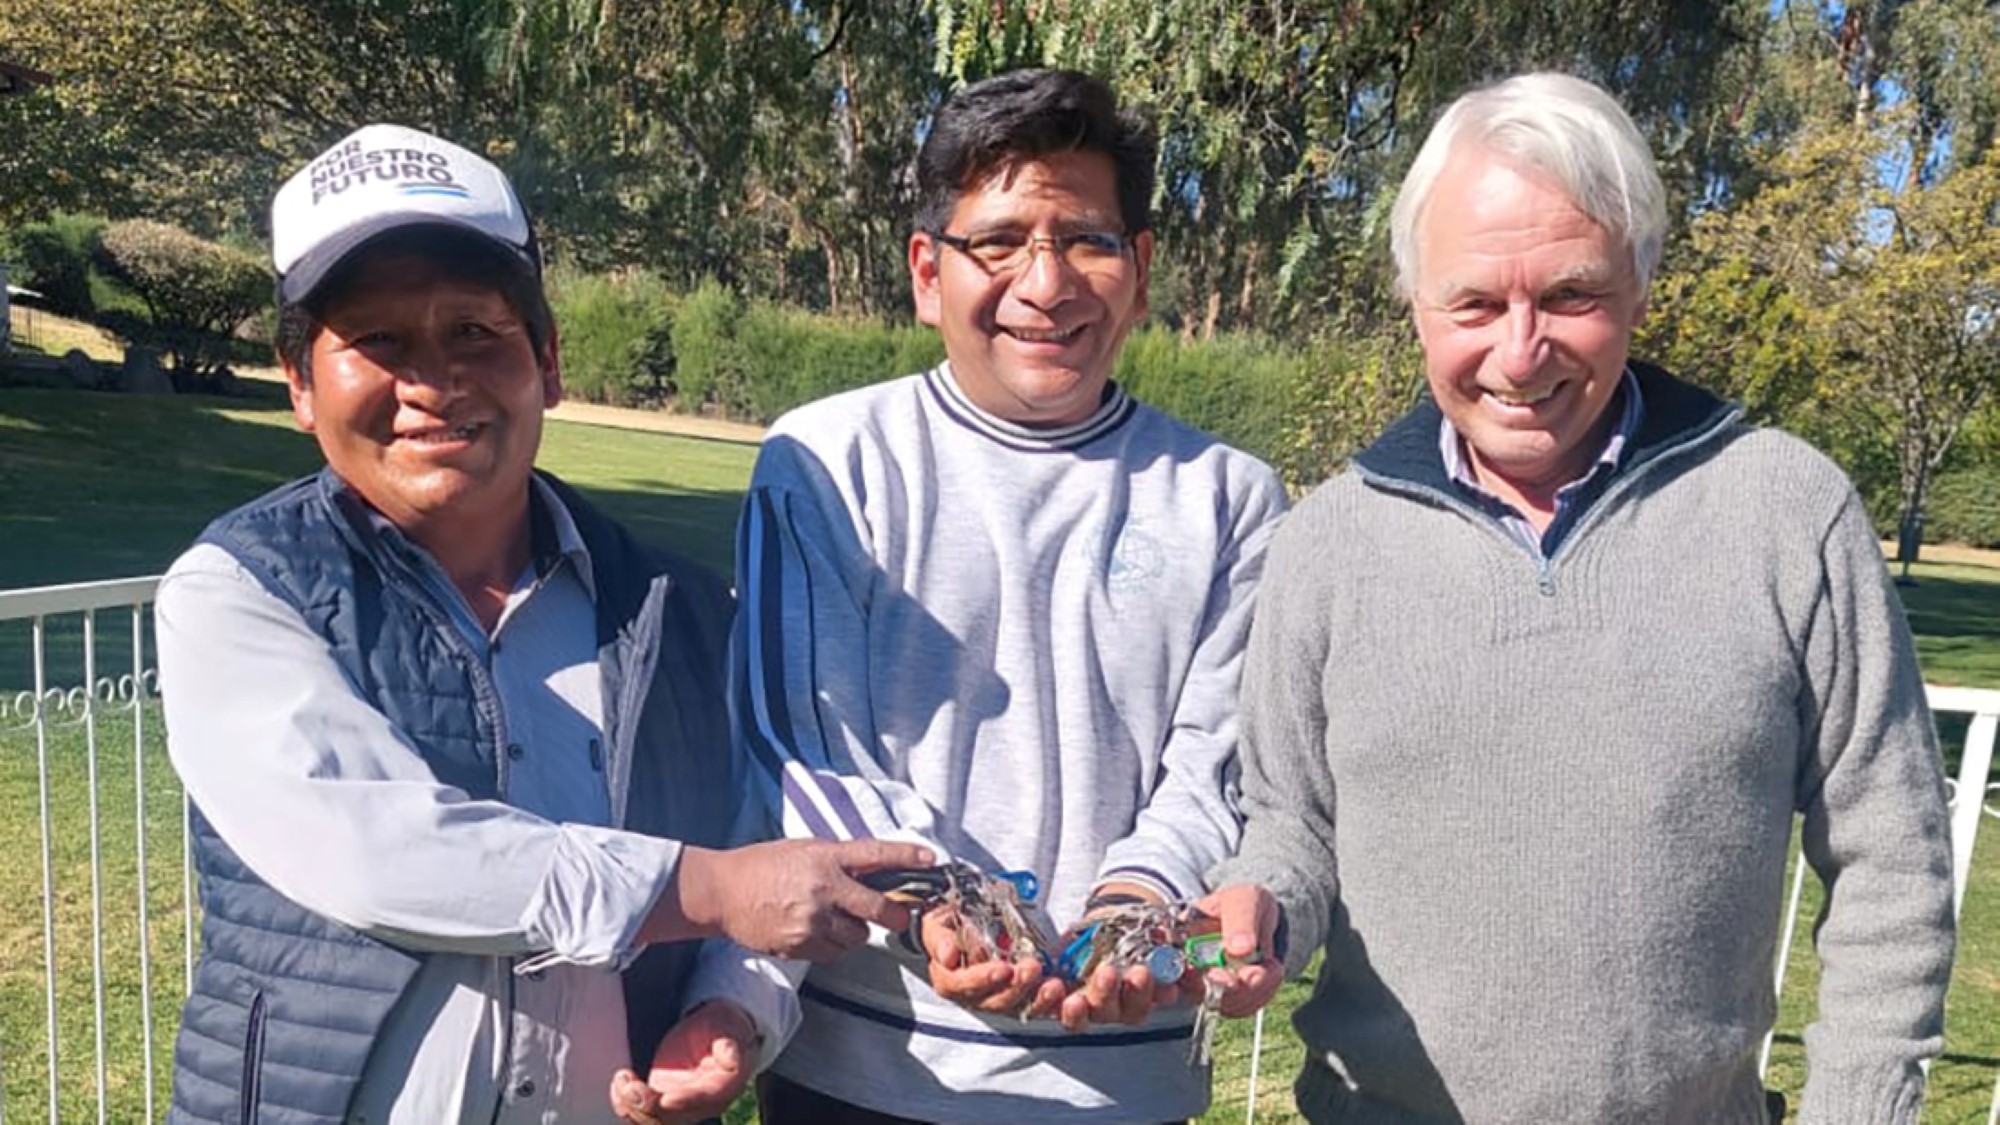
x: 1286, y: 125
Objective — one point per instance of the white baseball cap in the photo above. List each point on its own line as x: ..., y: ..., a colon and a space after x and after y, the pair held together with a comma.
x: 379, y: 178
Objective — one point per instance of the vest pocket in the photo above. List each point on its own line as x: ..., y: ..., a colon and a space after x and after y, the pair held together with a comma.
x: 250, y: 1093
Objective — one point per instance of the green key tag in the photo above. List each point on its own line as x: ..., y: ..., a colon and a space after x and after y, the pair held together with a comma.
x: 1204, y: 951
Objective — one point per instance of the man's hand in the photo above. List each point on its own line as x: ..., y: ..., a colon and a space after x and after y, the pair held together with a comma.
x: 788, y: 898
x: 701, y: 1066
x: 999, y: 987
x: 1249, y: 917
x: 1125, y: 996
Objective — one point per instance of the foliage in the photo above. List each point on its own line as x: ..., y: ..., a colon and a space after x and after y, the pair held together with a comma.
x: 757, y: 359
x: 195, y: 290
x: 1965, y: 507
x: 1352, y: 391
x: 1864, y: 313
x: 707, y: 370
x: 53, y: 258
x: 616, y: 335
x: 1241, y: 388
x: 790, y: 357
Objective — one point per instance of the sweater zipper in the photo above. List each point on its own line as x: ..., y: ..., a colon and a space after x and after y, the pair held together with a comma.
x: 1545, y: 579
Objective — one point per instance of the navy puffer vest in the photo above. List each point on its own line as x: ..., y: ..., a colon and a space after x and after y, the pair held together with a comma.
x: 287, y: 1004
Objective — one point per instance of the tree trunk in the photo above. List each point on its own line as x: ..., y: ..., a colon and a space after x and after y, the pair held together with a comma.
x: 1253, y: 258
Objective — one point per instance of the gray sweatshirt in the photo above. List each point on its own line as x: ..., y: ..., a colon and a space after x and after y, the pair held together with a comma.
x: 1537, y: 813
x: 1021, y: 646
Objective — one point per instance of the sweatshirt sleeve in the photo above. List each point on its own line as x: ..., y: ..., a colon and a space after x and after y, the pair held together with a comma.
x: 799, y: 661
x: 1288, y: 791
x: 1877, y: 832
x: 1190, y: 821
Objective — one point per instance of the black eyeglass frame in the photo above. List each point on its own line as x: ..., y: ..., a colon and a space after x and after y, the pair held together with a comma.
x: 1058, y: 244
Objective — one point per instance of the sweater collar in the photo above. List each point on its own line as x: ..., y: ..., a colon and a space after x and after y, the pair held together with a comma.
x: 1111, y: 413
x: 1676, y: 412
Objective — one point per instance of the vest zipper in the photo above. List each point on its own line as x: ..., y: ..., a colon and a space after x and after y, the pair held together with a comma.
x: 506, y: 1085
x: 251, y: 1092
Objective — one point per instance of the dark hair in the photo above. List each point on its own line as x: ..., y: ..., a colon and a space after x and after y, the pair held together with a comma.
x: 1025, y: 114
x: 462, y: 256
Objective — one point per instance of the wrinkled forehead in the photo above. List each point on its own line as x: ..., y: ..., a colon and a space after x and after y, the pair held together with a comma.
x: 1491, y: 212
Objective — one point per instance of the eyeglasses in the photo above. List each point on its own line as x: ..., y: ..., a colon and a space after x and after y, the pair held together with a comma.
x: 1010, y: 252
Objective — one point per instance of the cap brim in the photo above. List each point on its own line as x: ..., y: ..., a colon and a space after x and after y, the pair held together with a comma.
x: 298, y: 283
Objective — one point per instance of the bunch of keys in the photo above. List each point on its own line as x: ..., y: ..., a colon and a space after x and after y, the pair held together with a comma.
x: 993, y: 914
x: 1168, y: 939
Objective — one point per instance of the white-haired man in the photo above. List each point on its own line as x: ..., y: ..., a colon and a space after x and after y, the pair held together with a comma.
x: 1546, y: 673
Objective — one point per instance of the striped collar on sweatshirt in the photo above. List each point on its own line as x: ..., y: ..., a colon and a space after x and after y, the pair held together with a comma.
x: 1459, y: 467
x: 951, y: 399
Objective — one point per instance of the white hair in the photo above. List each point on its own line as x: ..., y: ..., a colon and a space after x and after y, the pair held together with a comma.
x: 1564, y: 127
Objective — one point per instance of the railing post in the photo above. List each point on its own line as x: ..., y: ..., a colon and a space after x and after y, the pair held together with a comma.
x: 139, y: 811
x: 41, y: 721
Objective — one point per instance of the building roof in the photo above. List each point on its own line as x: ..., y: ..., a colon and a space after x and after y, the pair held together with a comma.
x: 16, y: 79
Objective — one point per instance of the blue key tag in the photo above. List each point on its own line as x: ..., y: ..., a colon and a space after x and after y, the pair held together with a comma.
x: 1166, y: 963
x: 1075, y: 955
x: 1024, y: 883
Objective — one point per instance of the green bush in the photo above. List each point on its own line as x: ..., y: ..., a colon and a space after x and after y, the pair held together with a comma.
x: 1242, y: 389
x: 196, y: 291
x: 1303, y: 409
x: 1354, y: 387
x: 54, y: 259
x: 1964, y: 507
x: 616, y: 331
x: 788, y: 357
x: 707, y: 370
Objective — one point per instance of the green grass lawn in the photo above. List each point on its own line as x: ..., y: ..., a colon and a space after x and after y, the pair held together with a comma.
x: 97, y: 486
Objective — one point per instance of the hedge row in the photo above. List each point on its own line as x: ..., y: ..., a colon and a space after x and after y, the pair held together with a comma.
x: 1964, y: 507
x: 628, y: 340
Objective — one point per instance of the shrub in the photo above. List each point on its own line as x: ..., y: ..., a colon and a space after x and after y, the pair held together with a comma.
x: 1351, y: 390
x: 196, y: 291
x: 53, y: 259
x: 707, y: 370
x: 788, y: 357
x: 1242, y: 389
x: 1964, y: 507
x: 616, y: 331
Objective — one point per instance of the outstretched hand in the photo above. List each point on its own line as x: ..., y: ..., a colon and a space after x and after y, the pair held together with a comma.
x: 788, y: 898
x: 702, y: 1065
x: 1249, y: 917
x: 995, y: 986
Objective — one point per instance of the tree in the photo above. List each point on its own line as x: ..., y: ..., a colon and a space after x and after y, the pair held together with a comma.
x: 1858, y: 305
x: 197, y: 291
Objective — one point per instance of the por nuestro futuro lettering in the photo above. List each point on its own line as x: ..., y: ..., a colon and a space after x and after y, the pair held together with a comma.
x: 351, y: 165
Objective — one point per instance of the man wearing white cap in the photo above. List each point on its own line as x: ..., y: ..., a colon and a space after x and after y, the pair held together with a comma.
x: 456, y: 741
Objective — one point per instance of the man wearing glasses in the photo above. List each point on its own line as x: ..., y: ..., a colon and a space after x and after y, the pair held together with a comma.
x: 1000, y: 607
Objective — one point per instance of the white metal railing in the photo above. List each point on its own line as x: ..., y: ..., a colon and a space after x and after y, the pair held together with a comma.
x: 47, y: 710
x: 53, y: 713
x: 1970, y: 805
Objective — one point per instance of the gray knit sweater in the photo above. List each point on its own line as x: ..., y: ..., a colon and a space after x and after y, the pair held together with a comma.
x: 1537, y: 814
